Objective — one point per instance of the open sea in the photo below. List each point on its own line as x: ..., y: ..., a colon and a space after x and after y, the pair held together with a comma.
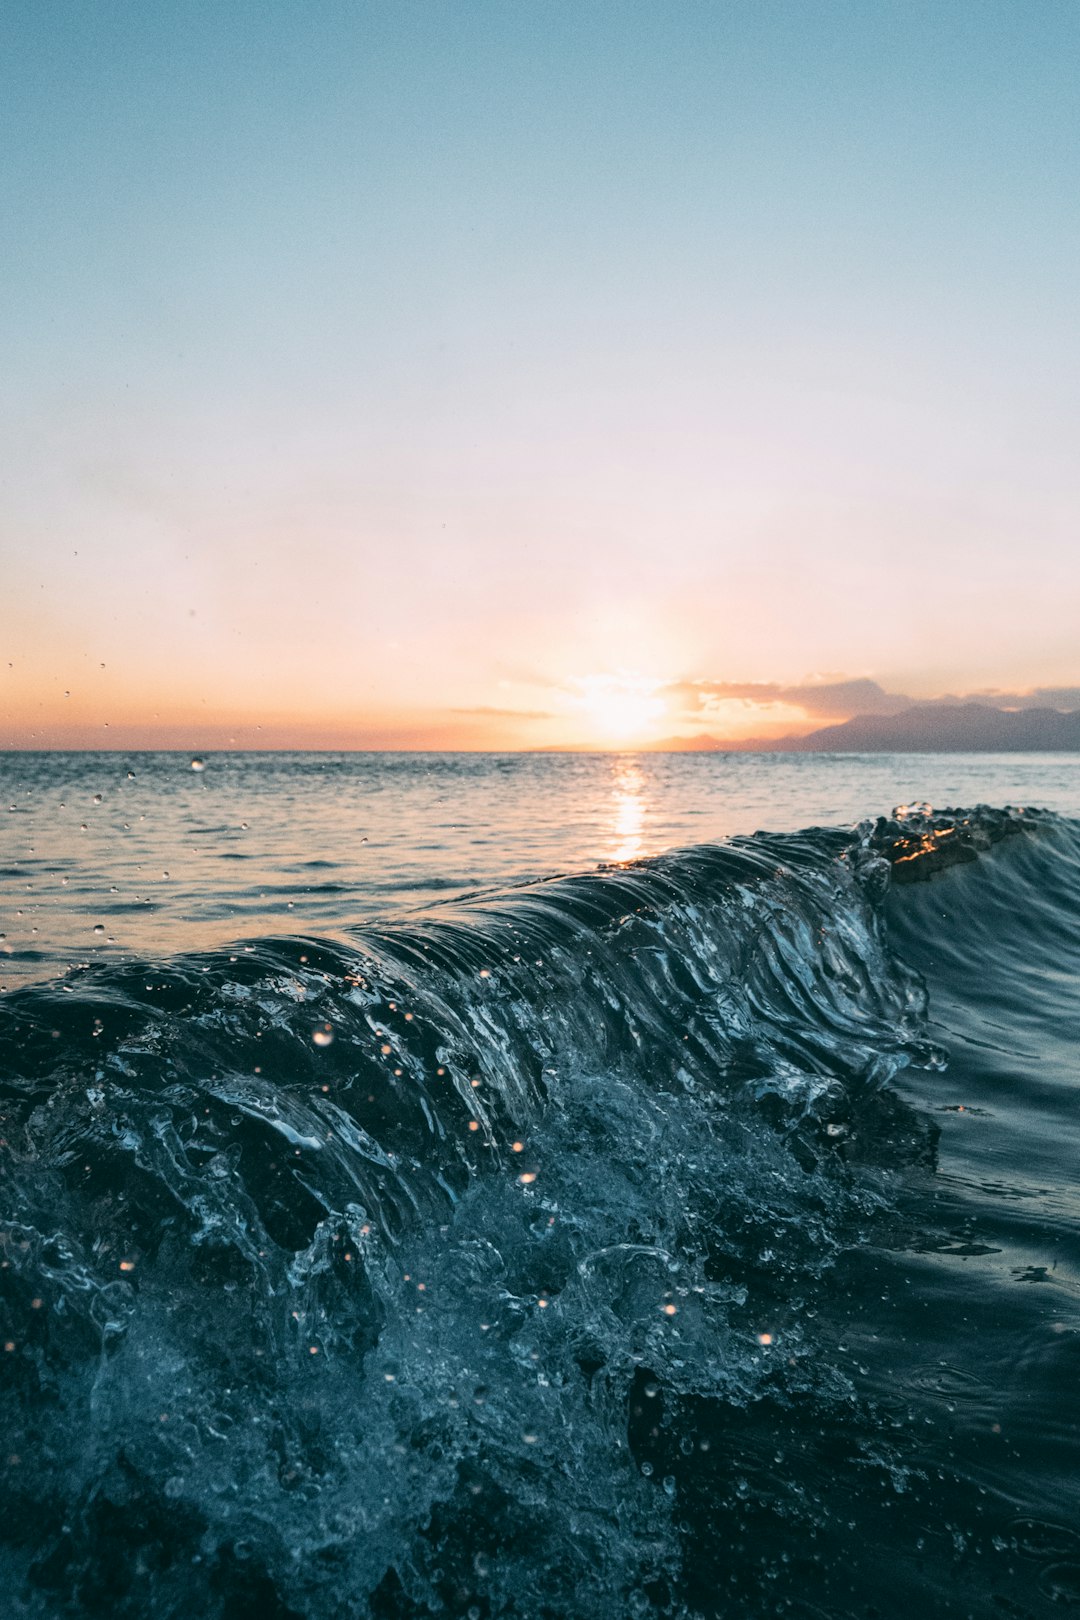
x: 546, y: 1186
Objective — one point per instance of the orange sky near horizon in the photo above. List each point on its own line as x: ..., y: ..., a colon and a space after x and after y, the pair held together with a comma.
x: 616, y: 712
x: 601, y: 712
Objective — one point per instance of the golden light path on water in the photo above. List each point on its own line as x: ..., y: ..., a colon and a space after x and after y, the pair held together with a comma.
x: 628, y: 800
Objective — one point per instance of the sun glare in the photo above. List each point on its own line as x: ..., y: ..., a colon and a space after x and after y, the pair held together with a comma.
x: 619, y: 708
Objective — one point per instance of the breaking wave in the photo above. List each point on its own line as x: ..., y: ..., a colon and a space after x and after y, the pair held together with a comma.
x: 419, y: 1275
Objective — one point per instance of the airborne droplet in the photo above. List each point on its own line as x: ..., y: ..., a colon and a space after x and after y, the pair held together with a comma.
x: 324, y: 1036
x: 198, y: 764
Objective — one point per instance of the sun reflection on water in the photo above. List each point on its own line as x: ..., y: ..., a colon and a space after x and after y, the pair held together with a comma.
x: 628, y: 798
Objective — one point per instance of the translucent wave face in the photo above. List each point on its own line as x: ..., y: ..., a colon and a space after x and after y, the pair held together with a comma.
x: 382, y: 1278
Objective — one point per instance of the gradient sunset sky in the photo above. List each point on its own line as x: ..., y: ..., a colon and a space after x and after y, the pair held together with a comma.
x: 522, y: 374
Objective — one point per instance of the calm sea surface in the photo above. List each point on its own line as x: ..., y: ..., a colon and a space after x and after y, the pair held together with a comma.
x: 108, y: 854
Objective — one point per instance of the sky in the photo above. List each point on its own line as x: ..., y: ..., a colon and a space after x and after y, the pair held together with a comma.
x: 533, y: 373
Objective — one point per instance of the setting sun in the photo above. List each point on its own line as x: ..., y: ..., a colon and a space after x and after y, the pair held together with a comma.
x: 619, y: 708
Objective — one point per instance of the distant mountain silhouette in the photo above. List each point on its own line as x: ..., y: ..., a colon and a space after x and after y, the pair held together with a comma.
x: 943, y: 728
x: 703, y: 743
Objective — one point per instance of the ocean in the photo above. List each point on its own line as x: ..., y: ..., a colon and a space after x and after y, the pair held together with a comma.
x: 539, y: 1185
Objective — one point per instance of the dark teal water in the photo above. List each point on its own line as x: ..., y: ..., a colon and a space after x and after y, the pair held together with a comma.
x: 698, y: 1236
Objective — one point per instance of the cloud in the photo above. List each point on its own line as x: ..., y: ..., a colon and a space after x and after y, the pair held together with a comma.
x: 485, y: 712
x: 1065, y: 698
x: 843, y: 698
x: 838, y: 699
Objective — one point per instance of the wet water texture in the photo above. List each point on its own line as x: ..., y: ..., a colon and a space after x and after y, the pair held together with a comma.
x: 696, y: 1237
x: 117, y: 857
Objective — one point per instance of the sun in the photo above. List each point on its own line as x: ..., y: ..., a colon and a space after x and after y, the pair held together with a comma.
x: 620, y: 709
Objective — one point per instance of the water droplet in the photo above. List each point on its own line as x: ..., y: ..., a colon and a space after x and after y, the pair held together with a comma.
x: 198, y: 764
x: 324, y: 1036
x: 99, y: 928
